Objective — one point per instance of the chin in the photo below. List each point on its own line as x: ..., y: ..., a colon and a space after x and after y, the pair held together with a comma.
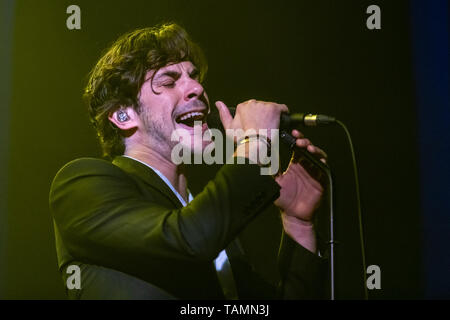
x: 192, y: 142
x: 197, y: 146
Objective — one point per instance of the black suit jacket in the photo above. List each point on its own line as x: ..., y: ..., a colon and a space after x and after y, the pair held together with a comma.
x: 133, y: 239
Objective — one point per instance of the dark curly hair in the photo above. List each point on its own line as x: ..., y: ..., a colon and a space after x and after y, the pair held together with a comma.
x: 116, y: 79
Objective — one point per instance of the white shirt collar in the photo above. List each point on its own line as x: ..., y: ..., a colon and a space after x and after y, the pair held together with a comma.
x: 221, y: 263
x: 163, y: 177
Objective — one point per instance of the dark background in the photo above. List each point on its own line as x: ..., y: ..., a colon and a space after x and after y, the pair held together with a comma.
x: 315, y: 56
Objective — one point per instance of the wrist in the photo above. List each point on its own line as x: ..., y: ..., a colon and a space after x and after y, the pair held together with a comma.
x: 254, y: 149
x: 300, y: 231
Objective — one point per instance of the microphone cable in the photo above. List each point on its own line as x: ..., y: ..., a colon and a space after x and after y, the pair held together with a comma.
x: 292, y: 121
x: 290, y: 140
x: 358, y: 203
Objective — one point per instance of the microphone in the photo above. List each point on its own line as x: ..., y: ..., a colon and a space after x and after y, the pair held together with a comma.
x: 287, y: 121
x: 291, y: 121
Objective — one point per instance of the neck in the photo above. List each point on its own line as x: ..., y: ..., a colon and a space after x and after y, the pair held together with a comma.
x: 174, y: 173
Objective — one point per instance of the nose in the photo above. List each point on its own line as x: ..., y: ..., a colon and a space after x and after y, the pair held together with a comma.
x: 193, y: 89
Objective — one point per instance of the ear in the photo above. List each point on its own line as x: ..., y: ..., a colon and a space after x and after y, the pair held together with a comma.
x: 131, y: 120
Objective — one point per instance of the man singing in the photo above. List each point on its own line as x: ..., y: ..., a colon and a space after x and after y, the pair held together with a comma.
x: 131, y: 225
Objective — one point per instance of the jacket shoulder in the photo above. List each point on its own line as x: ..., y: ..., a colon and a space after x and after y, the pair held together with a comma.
x: 85, y: 167
x: 82, y: 166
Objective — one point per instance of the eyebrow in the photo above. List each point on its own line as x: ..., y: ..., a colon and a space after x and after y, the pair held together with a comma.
x: 173, y: 74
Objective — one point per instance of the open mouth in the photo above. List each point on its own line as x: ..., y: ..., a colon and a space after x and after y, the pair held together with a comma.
x: 189, y: 118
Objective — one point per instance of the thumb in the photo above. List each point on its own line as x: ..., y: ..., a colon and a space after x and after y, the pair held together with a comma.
x: 224, y: 113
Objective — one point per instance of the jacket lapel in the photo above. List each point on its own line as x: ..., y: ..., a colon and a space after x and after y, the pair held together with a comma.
x: 234, y: 250
x: 147, y: 175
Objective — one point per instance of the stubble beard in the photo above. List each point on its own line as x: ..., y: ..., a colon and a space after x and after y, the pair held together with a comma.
x: 157, y: 138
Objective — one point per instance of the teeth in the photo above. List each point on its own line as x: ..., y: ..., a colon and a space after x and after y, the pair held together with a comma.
x: 190, y: 115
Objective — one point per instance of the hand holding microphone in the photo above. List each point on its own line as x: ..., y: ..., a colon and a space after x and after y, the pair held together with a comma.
x: 251, y: 114
x: 301, y: 192
x: 287, y: 121
x: 252, y: 110
x: 251, y: 128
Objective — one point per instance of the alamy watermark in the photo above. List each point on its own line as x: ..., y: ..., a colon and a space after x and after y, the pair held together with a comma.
x: 212, y: 153
x: 373, y: 22
x: 74, y: 280
x: 374, y: 280
x: 74, y: 20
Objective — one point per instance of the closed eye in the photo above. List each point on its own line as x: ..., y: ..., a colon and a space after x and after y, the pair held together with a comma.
x: 194, y: 74
x: 167, y: 79
x: 169, y: 84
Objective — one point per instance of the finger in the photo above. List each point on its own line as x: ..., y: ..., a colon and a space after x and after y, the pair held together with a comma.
x: 297, y: 134
x: 284, y: 108
x: 317, y: 151
x: 309, y: 174
x: 302, y: 142
x: 307, y: 170
x: 224, y: 113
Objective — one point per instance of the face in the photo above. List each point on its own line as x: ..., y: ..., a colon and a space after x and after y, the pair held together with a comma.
x: 176, y: 102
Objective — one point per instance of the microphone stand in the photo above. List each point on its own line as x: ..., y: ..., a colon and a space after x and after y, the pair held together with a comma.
x: 290, y: 141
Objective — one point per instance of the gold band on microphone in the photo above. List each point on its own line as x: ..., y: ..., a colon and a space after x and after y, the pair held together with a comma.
x: 310, y: 120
